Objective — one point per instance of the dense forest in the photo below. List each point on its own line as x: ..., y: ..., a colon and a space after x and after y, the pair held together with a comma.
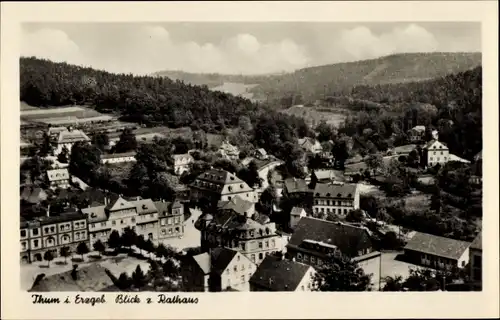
x: 145, y: 100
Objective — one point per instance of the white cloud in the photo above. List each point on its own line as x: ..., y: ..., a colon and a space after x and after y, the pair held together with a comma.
x: 150, y: 48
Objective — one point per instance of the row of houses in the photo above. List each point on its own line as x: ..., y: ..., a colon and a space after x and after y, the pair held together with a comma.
x: 154, y: 220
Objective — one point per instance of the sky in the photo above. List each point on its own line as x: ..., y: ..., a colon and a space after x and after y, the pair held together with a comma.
x: 238, y: 48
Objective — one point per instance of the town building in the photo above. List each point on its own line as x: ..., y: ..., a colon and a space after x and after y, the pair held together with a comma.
x: 118, y: 213
x: 217, y: 185
x: 94, y: 278
x: 237, y: 226
x: 51, y: 233
x: 220, y: 269
x: 476, y: 262
x: 55, y: 131
x: 437, y: 252
x: 113, y: 158
x: 182, y: 162
x: 416, y: 134
x: 277, y: 274
x: 293, y: 187
x: 229, y: 151
x: 435, y: 152
x: 310, y: 145
x: 58, y: 178
x: 314, y: 239
x: 68, y: 138
x: 335, y: 199
x: 171, y: 219
x: 296, y: 214
x: 325, y: 176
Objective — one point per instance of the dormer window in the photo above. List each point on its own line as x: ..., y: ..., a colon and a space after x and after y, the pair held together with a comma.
x: 327, y: 194
x: 349, y: 195
x: 232, y: 178
x: 317, y: 194
x: 241, y: 186
x: 230, y: 189
x: 339, y: 195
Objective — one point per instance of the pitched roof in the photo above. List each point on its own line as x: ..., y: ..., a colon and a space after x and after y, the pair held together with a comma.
x: 74, y: 135
x: 145, y: 206
x: 346, y: 238
x: 63, y: 217
x: 429, y: 144
x: 119, y: 204
x: 90, y: 278
x: 58, y: 174
x: 438, y: 246
x: 478, y: 242
x: 325, y: 174
x: 262, y: 151
x: 418, y: 128
x: 95, y: 213
x: 203, y: 261
x: 220, y: 258
x: 180, y: 157
x: 238, y: 205
x: 346, y: 190
x: 276, y: 274
x: 293, y: 185
x: 219, y: 176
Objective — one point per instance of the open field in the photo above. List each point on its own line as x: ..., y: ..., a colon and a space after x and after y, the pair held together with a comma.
x: 315, y: 116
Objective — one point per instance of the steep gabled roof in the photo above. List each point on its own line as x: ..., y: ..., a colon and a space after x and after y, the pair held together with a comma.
x: 347, y: 238
x: 238, y: 205
x: 219, y: 177
x: 347, y: 190
x: 203, y: 261
x: 438, y: 246
x: 220, y: 258
x: 276, y: 274
x: 293, y: 185
x: 478, y: 242
x: 72, y: 136
x: 431, y: 143
x: 119, y: 204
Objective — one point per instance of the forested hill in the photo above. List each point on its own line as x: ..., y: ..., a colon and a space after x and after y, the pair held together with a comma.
x: 314, y: 82
x: 149, y: 100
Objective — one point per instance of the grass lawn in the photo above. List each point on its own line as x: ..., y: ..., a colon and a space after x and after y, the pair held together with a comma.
x: 418, y: 201
x: 63, y: 112
x: 120, y: 171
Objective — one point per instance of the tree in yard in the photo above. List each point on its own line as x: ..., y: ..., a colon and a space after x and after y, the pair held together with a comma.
x: 48, y: 256
x: 140, y: 244
x: 114, y: 241
x: 436, y: 200
x: 45, y: 148
x: 124, y: 282
x: 65, y: 252
x: 99, y: 247
x: 63, y: 156
x: 267, y: 198
x: 355, y: 216
x: 370, y: 205
x: 374, y: 162
x: 340, y: 273
x: 129, y: 238
x: 393, y: 283
x: 149, y: 246
x: 82, y: 249
x: 161, y: 251
x: 127, y: 142
x: 139, y: 279
x: 422, y: 280
x: 84, y: 160
x: 171, y: 269
x: 100, y: 140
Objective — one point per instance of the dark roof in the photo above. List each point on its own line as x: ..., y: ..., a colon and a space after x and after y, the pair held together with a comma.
x: 293, y: 185
x: 478, y: 242
x: 347, y: 238
x: 346, y: 190
x: 70, y: 216
x: 165, y: 208
x: 239, y: 205
x: 91, y: 278
x: 219, y: 177
x: 276, y: 274
x: 220, y: 258
x: 438, y: 246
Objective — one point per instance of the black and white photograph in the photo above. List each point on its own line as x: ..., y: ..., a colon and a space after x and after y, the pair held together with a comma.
x: 250, y: 156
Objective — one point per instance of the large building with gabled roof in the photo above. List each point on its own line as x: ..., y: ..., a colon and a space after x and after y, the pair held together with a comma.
x: 335, y: 199
x: 435, y: 152
x: 217, y: 185
x: 67, y: 138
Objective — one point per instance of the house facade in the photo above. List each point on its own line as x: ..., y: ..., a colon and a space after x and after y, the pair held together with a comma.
x: 68, y: 138
x: 219, y: 185
x: 58, y: 178
x: 296, y: 214
x: 118, y: 214
x: 436, y: 252
x: 238, y: 227
x: 51, y: 233
x: 310, y: 145
x: 229, y: 151
x: 416, y: 133
x: 435, y: 152
x: 314, y: 240
x: 220, y: 269
x: 170, y: 220
x: 182, y: 162
x: 277, y: 274
x: 335, y: 199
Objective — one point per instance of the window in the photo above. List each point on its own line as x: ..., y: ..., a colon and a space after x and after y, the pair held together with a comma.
x: 260, y: 244
x: 93, y: 235
x: 267, y: 242
x: 23, y: 245
x: 46, y: 230
x: 103, y: 224
x: 431, y: 159
x: 23, y: 233
x: 177, y: 229
x: 77, y: 225
x: 243, y: 278
x: 441, y: 152
x: 121, y: 221
x: 261, y: 256
x: 302, y: 288
x: 113, y: 222
x: 169, y: 221
x: 273, y: 243
x: 151, y: 215
x: 35, y: 232
x: 313, y: 259
x: 227, y: 271
x: 162, y: 222
x: 242, y: 246
x: 163, y: 232
x: 253, y: 258
x: 52, y: 229
x: 242, y: 267
x: 320, y: 262
x: 238, y: 258
x: 132, y: 219
x: 92, y: 225
x: 434, y: 153
x: 438, y: 158
x: 170, y: 231
x: 299, y: 256
x: 235, y: 268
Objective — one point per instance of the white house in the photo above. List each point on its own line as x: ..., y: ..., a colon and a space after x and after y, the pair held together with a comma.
x: 182, y: 162
x: 58, y: 178
x: 435, y: 152
x: 118, y: 157
x: 295, y: 215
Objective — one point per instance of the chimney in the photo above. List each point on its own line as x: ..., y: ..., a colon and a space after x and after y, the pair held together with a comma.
x: 48, y: 210
x: 105, y: 200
